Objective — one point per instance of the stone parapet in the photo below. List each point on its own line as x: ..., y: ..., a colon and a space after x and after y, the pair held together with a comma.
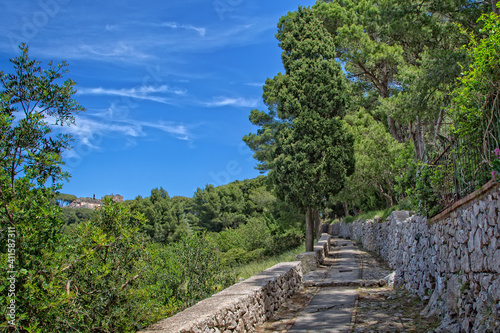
x: 311, y: 260
x: 240, y: 307
x: 453, y: 263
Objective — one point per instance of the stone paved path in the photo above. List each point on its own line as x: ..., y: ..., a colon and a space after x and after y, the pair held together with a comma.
x: 344, y: 295
x: 341, y: 268
x: 331, y: 308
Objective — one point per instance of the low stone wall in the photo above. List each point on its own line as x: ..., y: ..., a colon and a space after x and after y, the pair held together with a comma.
x: 240, y: 307
x: 454, y: 262
x: 311, y: 260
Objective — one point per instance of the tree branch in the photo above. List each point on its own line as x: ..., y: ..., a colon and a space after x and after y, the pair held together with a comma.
x: 7, y: 212
x: 382, y: 90
x: 129, y: 281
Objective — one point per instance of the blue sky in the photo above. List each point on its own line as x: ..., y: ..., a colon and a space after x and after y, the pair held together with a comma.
x: 168, y: 85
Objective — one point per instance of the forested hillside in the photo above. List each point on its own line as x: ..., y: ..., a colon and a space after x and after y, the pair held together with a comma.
x: 379, y: 103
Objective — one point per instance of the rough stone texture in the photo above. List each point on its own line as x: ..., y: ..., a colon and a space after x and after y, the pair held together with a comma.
x: 240, y: 307
x: 311, y: 260
x: 329, y: 311
x: 453, y: 263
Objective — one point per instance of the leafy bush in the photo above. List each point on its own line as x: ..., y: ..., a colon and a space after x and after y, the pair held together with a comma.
x: 259, y: 238
x: 103, y: 273
x: 202, y: 271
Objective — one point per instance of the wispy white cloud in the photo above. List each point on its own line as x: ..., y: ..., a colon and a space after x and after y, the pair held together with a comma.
x: 232, y: 101
x: 175, y: 25
x: 101, y: 49
x: 219, y: 37
x: 149, y: 93
x: 134, y: 44
x: 86, y: 130
x: 90, y: 129
x: 113, y: 50
x: 178, y: 131
x: 254, y: 84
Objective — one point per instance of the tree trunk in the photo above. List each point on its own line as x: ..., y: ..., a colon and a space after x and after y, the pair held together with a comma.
x: 387, y: 197
x: 393, y: 129
x: 417, y: 137
x: 309, y: 230
x: 317, y: 224
x: 346, y: 209
x: 494, y: 7
x: 438, y: 126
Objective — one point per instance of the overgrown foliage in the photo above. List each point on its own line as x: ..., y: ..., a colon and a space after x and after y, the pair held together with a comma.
x: 165, y: 216
x: 405, y: 63
x: 125, y: 265
x: 476, y: 105
x: 31, y: 169
x: 371, y: 186
x: 103, y: 273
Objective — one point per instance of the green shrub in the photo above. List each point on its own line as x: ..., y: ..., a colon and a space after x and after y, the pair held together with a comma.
x: 234, y: 256
x: 201, y: 267
x: 103, y: 272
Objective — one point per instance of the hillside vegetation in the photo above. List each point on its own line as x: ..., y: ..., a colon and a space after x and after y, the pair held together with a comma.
x: 376, y: 101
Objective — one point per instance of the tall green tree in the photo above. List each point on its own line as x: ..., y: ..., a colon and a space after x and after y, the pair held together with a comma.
x: 31, y: 100
x: 311, y: 162
x: 356, y: 27
x: 312, y: 77
x: 302, y: 138
x: 218, y: 208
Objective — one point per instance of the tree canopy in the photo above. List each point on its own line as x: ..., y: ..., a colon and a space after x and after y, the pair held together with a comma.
x: 405, y: 55
x: 302, y: 138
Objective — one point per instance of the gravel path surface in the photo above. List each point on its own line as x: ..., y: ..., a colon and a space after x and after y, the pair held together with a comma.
x: 384, y: 309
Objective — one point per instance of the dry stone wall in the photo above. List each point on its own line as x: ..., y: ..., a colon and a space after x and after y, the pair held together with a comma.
x: 311, y: 260
x: 240, y: 307
x: 453, y: 263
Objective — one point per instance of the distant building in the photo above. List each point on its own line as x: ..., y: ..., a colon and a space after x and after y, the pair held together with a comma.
x: 93, y: 203
x: 85, y: 203
x: 117, y: 198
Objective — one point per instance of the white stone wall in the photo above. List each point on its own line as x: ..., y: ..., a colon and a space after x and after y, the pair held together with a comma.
x: 453, y: 263
x: 240, y: 307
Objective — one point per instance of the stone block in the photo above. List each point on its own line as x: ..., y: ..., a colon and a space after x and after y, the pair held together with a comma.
x: 476, y: 261
x: 462, y: 236
x: 495, y: 262
x: 465, y: 262
x: 494, y: 289
x: 309, y: 261
x: 325, y: 238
